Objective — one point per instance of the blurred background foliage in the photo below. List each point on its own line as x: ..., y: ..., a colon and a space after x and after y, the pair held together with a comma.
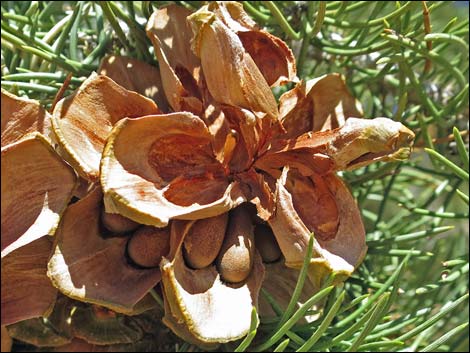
x: 403, y: 60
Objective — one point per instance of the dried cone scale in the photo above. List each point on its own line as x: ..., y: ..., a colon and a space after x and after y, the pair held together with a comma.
x: 324, y: 220
x: 202, y: 306
x: 82, y: 122
x: 339, y: 253
x: 83, y: 257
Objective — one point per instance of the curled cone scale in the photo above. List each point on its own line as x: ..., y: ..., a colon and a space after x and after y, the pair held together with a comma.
x: 83, y: 121
x: 357, y: 143
x: 21, y: 116
x: 36, y: 187
x: 88, y: 267
x: 341, y: 249
x: 23, y: 269
x: 135, y: 75
x: 320, y: 104
x: 180, y: 69
x: 173, y: 173
x: 199, y: 305
x: 230, y: 72
x: 272, y: 56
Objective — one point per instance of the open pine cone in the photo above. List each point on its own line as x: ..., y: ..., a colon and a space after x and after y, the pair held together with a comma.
x: 190, y: 179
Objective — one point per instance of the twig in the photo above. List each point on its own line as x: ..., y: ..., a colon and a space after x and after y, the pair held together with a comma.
x: 427, y: 30
x: 441, y: 140
x: 61, y: 91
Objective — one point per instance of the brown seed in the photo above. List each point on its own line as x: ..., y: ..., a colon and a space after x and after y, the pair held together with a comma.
x: 266, y: 243
x: 116, y: 223
x: 236, y: 256
x: 204, y: 240
x: 148, y: 244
